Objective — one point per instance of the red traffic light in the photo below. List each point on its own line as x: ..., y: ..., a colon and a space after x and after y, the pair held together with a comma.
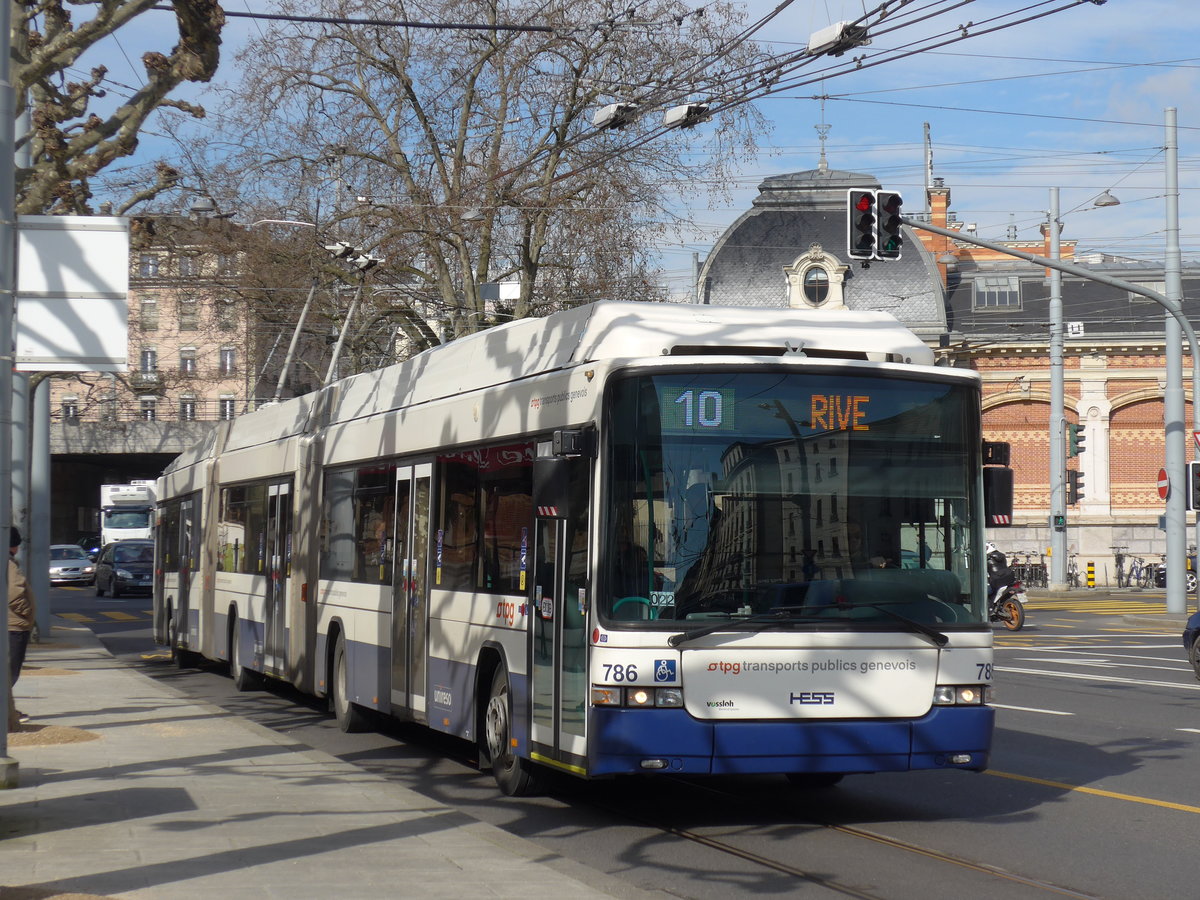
x: 860, y: 224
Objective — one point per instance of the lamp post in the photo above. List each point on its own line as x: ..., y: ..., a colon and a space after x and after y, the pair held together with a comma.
x: 1058, y: 507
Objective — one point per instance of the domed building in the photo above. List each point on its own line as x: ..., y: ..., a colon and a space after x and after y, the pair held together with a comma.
x: 790, y: 250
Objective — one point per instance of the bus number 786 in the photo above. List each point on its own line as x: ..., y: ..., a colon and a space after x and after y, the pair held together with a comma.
x: 619, y: 673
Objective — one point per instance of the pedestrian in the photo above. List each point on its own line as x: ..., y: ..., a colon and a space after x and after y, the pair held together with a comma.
x: 20, y: 625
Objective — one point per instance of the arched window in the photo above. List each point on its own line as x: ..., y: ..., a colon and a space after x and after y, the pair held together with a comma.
x: 816, y: 285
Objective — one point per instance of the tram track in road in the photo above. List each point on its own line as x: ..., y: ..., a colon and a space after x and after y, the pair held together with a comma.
x: 811, y: 876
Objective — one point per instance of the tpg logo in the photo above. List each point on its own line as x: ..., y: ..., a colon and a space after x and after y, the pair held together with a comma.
x: 813, y: 698
x: 725, y: 668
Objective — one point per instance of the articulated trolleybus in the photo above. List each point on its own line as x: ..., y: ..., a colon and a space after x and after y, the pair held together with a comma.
x: 626, y: 538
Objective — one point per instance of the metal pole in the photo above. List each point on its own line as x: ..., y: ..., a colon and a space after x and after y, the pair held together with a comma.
x: 1174, y: 402
x: 38, y: 557
x: 20, y: 463
x: 8, y: 284
x: 1058, y: 506
x: 291, y: 351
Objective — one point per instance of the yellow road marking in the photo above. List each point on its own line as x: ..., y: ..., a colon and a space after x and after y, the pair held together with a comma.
x: 76, y: 617
x: 1112, y: 795
x: 120, y: 616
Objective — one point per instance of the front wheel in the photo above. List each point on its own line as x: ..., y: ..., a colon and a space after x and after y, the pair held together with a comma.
x: 515, y: 776
x: 243, y: 678
x: 1194, y: 656
x: 1012, y: 614
x: 1191, y: 582
x: 350, y: 716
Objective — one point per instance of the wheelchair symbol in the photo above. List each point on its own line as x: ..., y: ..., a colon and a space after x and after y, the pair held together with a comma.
x: 664, y: 670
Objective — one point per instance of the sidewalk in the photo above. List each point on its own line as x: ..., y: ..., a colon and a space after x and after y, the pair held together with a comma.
x: 127, y: 788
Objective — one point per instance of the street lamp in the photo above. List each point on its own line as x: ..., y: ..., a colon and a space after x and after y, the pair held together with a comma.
x: 1058, y: 422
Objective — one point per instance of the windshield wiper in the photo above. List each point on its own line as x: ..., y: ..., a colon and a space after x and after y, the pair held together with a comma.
x: 936, y: 637
x: 778, y: 614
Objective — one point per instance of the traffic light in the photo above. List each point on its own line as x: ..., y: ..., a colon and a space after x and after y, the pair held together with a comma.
x: 1193, y: 486
x: 888, y: 240
x: 860, y: 218
x: 1074, y: 487
x: 1075, y: 437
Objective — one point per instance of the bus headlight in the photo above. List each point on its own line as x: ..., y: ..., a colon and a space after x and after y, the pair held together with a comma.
x: 637, y: 697
x: 959, y: 695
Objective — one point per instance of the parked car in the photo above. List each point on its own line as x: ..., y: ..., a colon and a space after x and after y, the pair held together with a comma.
x: 70, y: 564
x: 1191, y: 641
x: 1160, y: 575
x: 125, y: 567
x: 91, y: 545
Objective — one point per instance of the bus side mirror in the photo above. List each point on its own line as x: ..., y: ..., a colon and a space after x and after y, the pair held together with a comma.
x: 551, y: 487
x: 998, y: 496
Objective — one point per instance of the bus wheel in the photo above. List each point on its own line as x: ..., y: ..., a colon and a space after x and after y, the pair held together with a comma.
x: 243, y: 678
x: 350, y: 716
x: 814, y: 780
x: 514, y: 775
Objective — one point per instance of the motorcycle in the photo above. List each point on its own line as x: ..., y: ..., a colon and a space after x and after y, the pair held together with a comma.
x: 1006, y: 595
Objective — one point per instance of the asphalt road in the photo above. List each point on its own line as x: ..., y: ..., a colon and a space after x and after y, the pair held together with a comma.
x: 1094, y: 789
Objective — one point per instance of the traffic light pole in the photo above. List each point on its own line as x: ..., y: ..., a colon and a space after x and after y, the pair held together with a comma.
x: 1176, y: 562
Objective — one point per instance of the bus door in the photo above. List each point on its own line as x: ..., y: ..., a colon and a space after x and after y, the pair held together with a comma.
x: 410, y: 589
x: 558, y: 667
x: 279, y: 566
x: 188, y: 551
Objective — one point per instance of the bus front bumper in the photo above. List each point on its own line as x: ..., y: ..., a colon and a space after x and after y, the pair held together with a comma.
x: 629, y: 741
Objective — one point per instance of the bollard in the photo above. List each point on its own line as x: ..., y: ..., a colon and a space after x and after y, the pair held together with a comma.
x: 1091, y: 573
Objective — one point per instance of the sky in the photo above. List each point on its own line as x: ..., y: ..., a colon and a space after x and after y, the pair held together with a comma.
x: 1075, y: 100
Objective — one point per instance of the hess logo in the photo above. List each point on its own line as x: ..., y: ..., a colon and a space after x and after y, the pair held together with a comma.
x: 813, y: 698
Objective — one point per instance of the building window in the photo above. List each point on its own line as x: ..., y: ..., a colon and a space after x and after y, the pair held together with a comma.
x: 1157, y: 286
x: 226, y: 314
x: 226, y: 408
x: 148, y: 315
x: 226, y: 264
x: 148, y: 364
x: 149, y: 409
x: 187, y: 408
x: 70, y: 407
x: 108, y: 408
x: 997, y: 292
x: 189, y: 317
x: 189, y: 267
x: 228, y: 363
x: 148, y: 265
x: 187, y: 361
x: 816, y: 285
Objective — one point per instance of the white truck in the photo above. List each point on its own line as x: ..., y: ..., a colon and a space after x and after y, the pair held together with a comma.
x: 126, y: 511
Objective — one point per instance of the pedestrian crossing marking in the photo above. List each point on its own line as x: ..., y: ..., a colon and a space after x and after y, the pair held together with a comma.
x: 120, y: 616
x: 76, y: 617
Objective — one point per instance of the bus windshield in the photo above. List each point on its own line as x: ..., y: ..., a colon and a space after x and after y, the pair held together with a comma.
x: 822, y: 496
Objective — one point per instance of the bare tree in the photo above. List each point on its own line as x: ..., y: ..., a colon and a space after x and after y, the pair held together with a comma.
x: 68, y: 140
x: 467, y: 156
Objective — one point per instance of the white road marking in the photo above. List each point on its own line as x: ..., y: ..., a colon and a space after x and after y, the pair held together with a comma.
x: 1080, y: 676
x: 1048, y: 712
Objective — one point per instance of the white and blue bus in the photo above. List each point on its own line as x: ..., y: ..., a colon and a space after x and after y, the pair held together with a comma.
x: 625, y: 538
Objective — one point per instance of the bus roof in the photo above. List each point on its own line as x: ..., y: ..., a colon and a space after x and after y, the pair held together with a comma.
x: 597, y: 331
x: 624, y: 330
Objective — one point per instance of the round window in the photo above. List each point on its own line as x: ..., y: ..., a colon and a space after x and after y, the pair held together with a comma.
x: 816, y: 285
